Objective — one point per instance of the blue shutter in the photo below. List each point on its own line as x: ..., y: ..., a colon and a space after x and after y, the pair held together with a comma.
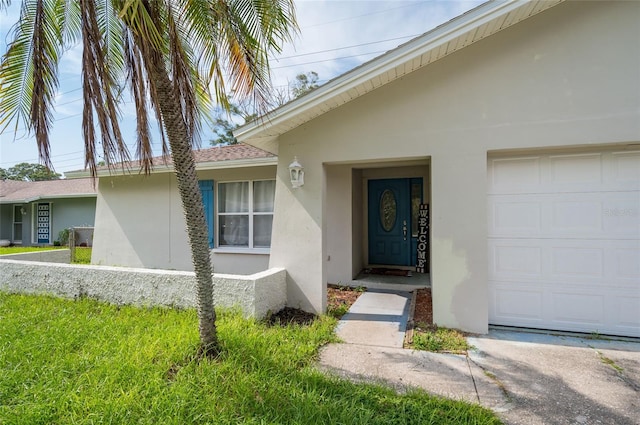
x: 206, y: 188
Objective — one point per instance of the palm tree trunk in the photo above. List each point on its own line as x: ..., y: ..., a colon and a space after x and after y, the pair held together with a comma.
x: 185, y: 170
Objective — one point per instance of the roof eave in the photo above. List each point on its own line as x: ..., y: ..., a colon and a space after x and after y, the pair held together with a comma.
x: 200, y: 166
x: 47, y: 197
x: 254, y: 132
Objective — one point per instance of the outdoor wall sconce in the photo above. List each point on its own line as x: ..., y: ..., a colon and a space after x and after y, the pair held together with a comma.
x: 23, y: 211
x: 296, y: 172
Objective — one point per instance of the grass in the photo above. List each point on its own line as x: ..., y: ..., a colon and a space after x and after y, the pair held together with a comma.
x: 20, y: 249
x: 85, y: 362
x: 437, y: 339
x: 83, y: 255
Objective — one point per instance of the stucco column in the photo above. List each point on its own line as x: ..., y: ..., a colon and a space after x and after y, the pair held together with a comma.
x: 297, y: 236
x: 459, y: 241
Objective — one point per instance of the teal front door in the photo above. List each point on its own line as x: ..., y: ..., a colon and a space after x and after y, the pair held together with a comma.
x: 393, y: 209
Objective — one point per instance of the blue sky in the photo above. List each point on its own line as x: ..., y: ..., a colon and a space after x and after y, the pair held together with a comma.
x: 336, y: 36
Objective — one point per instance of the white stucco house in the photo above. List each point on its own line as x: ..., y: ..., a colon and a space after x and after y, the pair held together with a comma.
x: 517, y: 124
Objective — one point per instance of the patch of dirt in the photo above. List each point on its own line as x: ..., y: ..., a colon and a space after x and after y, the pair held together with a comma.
x: 341, y: 296
x: 289, y: 315
x: 423, y: 312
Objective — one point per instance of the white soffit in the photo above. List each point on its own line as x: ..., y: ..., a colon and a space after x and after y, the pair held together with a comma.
x: 464, y: 30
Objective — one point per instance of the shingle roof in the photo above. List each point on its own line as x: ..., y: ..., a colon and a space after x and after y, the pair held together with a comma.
x: 12, y: 191
x: 231, y: 153
x: 216, y: 154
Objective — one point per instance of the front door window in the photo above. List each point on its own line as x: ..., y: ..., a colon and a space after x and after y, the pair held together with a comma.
x: 388, y: 210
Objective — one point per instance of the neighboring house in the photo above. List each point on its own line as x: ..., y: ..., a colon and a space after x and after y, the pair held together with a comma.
x: 517, y: 124
x: 33, y: 213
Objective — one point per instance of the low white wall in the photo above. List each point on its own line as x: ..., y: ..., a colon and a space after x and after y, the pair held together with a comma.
x: 256, y: 295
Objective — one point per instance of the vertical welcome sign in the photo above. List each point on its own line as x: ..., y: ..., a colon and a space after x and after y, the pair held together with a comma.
x: 422, y: 265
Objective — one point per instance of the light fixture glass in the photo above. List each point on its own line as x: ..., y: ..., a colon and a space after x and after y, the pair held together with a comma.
x: 296, y: 173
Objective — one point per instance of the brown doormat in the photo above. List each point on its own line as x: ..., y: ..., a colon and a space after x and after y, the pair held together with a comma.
x: 388, y: 272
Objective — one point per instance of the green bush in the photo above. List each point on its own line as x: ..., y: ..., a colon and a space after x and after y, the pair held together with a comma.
x: 63, y: 237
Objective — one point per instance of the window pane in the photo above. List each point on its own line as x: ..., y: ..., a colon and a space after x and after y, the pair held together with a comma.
x: 262, y: 230
x: 233, y: 197
x: 234, y: 230
x: 263, y: 193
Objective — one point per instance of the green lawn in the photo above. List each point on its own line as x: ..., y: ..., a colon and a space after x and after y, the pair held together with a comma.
x: 85, y: 362
x: 83, y: 254
x: 20, y: 249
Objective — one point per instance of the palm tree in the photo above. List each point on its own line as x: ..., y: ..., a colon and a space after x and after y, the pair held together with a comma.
x: 168, y: 53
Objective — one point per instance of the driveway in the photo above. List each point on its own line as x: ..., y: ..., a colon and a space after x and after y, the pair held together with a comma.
x: 525, y: 377
x: 547, y: 379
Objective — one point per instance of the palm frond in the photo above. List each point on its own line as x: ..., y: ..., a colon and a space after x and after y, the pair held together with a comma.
x: 28, y: 72
x: 101, y: 92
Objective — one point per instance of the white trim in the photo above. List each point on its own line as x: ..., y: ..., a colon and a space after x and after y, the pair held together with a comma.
x: 240, y: 250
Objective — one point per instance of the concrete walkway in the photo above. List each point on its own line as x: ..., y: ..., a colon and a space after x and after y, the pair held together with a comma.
x: 526, y: 378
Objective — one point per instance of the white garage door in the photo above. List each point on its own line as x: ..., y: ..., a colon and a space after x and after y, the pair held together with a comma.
x: 564, y: 241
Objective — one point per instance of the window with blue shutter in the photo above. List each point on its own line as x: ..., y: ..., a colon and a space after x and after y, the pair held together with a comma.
x: 206, y: 188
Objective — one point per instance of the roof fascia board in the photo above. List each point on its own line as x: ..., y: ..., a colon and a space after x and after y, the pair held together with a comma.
x: 47, y: 197
x: 436, y: 37
x: 63, y: 196
x: 200, y: 166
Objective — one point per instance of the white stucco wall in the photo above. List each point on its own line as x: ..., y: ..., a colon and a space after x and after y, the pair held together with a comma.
x: 140, y: 223
x: 256, y: 295
x: 567, y: 77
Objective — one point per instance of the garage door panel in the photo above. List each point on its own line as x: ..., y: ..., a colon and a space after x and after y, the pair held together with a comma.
x: 608, y: 263
x: 581, y: 215
x: 575, y: 169
x: 626, y: 167
x: 513, y: 216
x: 517, y: 303
x: 628, y: 315
x: 580, y: 308
x: 577, y: 308
x: 627, y: 263
x: 513, y: 174
x: 564, y: 241
x: 575, y: 261
x: 513, y: 260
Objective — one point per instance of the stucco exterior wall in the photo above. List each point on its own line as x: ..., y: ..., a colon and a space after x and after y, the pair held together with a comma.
x: 256, y: 295
x: 139, y: 223
x: 71, y: 212
x: 566, y: 77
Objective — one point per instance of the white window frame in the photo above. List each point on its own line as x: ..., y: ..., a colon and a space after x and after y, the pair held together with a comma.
x: 250, y: 213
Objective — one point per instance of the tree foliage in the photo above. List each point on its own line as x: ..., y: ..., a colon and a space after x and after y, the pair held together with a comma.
x: 240, y: 113
x: 28, y: 172
x: 169, y: 54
